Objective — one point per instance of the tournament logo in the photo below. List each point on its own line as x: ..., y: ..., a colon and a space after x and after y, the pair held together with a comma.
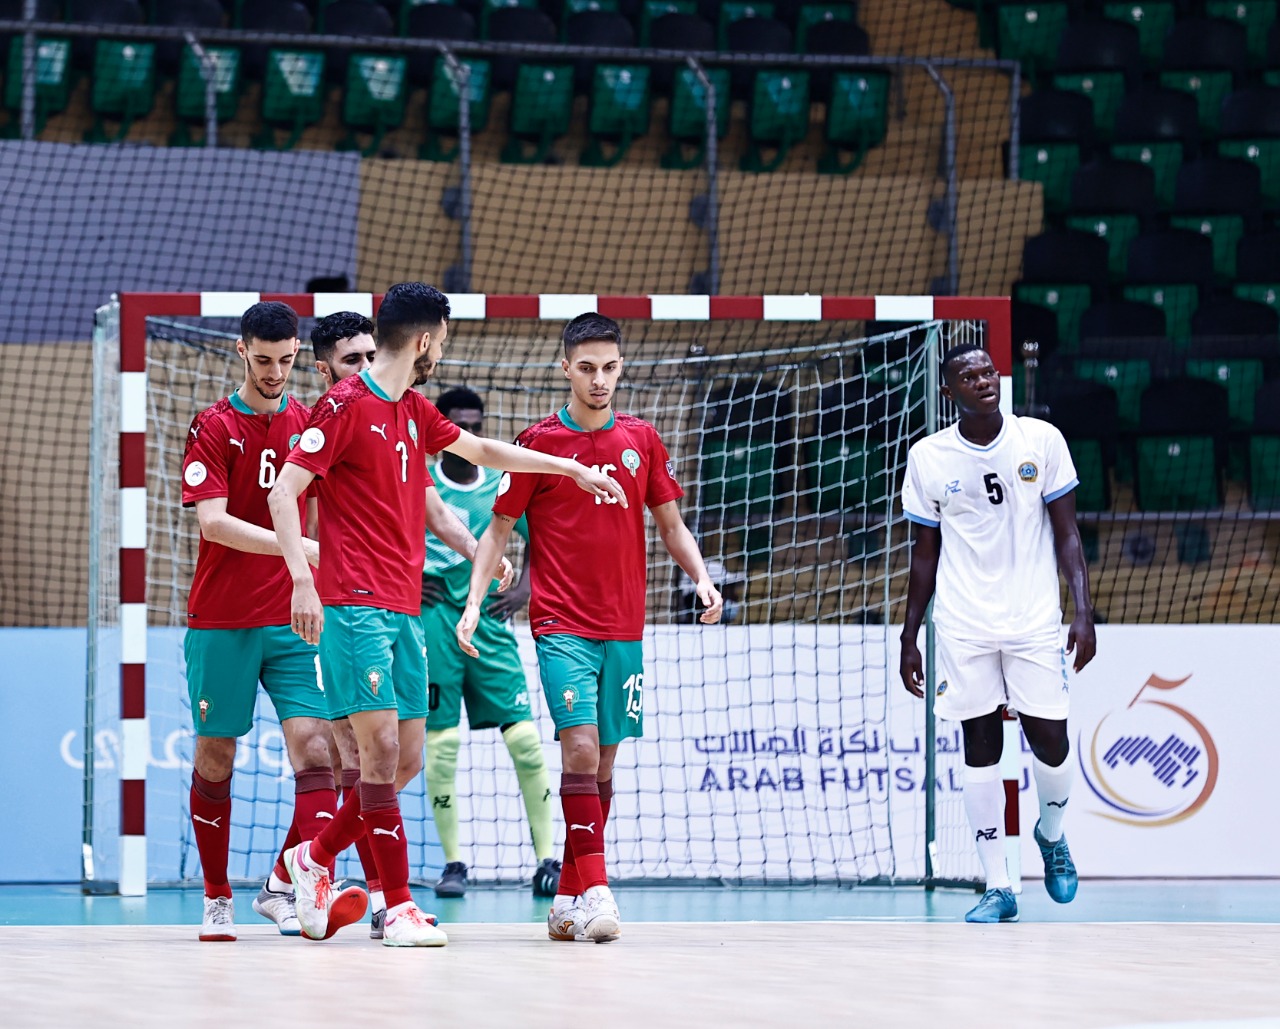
x: 204, y: 705
x: 312, y: 440
x: 631, y: 461
x: 293, y: 440
x: 671, y: 469
x: 375, y: 677
x: 570, y: 696
x: 195, y: 474
x: 413, y: 430
x: 942, y: 688
x: 1028, y: 472
x: 1152, y: 762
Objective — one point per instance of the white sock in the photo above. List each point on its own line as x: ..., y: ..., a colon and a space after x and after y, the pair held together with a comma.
x: 277, y: 885
x: 398, y: 909
x: 377, y: 901
x: 562, y: 902
x: 984, y: 804
x: 1053, y: 787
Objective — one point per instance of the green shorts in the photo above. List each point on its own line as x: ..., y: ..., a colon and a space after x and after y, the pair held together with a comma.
x: 224, y: 667
x: 593, y: 682
x: 493, y: 684
x: 373, y: 660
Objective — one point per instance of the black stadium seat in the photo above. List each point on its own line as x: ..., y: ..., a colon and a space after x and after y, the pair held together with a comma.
x: 1056, y: 116
x: 277, y: 16
x: 195, y: 14
x: 1171, y: 255
x: 1107, y: 186
x: 1062, y: 257
x: 1229, y: 316
x: 1254, y: 111
x: 435, y: 21
x: 352, y: 18
x: 596, y: 28
x: 1155, y: 113
x: 678, y: 32
x: 1122, y: 319
x: 1100, y: 46
x: 1206, y: 44
x: 516, y: 25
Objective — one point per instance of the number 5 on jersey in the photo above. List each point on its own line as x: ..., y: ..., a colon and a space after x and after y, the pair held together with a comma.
x: 995, y: 492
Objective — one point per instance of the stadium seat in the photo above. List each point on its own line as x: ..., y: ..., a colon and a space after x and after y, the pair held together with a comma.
x: 124, y: 87
x: 1203, y: 57
x: 1087, y: 415
x: 1112, y: 199
x: 653, y: 10
x: 1152, y: 20
x: 444, y: 103
x: 1216, y: 196
x: 1063, y: 271
x: 688, y: 122
x: 402, y: 12
x: 597, y: 28
x: 1036, y: 323
x: 1272, y: 74
x: 293, y: 95
x: 193, y: 14
x: 189, y: 97
x: 1254, y: 16
x: 1264, y: 449
x: 732, y: 11
x: 1098, y: 60
x: 374, y: 102
x: 678, y: 31
x: 1251, y: 132
x: 1238, y: 365
x: 813, y: 20
x: 1123, y: 346
x: 435, y: 21
x: 541, y: 109
x: 1158, y: 127
x: 619, y: 111
x: 754, y: 35
x: 1057, y: 129
x: 836, y: 39
x: 845, y: 465
x: 739, y: 454
x: 857, y: 119
x: 289, y: 18
x: 99, y: 12
x: 351, y: 18
x: 1170, y: 268
x: 572, y: 7
x: 1029, y: 33
x: 488, y: 8
x: 1258, y: 268
x: 1122, y: 320
x: 1180, y: 446
x: 516, y: 25
x: 53, y: 80
x: 779, y: 118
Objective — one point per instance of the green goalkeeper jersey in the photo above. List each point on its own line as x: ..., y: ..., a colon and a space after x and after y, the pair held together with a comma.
x: 473, y: 504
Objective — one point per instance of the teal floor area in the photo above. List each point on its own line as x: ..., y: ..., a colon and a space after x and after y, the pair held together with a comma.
x: 1244, y: 901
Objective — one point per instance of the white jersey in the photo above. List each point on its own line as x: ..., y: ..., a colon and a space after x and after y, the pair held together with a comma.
x: 997, y: 571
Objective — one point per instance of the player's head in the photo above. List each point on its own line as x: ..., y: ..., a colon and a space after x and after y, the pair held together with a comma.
x: 592, y: 359
x: 343, y: 345
x: 414, y: 316
x: 464, y: 408
x: 268, y: 344
x: 970, y: 380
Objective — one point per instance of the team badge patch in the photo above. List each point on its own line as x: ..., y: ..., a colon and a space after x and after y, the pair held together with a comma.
x: 375, y: 677
x: 570, y: 696
x: 1028, y: 472
x: 204, y: 705
x: 413, y: 430
x: 942, y: 688
x: 631, y: 462
x: 504, y: 483
x: 293, y: 440
x: 195, y: 474
x: 312, y: 440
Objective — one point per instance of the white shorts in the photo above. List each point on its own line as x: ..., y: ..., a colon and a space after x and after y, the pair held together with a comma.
x: 976, y: 676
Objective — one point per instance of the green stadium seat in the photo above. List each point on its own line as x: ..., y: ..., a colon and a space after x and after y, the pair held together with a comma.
x: 736, y: 478
x: 1254, y: 16
x: 443, y: 104
x: 293, y: 95
x: 1264, y: 472
x: 1176, y: 473
x: 1265, y: 153
x: 857, y: 119
x: 1104, y: 88
x: 1052, y: 165
x: 1127, y: 376
x: 779, y: 117
x: 487, y: 7
x: 1119, y: 230
x: 1067, y: 301
x: 812, y: 15
x: 1177, y: 300
x: 124, y: 86
x: 846, y: 474
x: 619, y: 111
x: 1209, y: 88
x: 655, y: 9
x: 572, y: 7
x: 688, y: 123
x: 1094, y: 491
x: 1263, y: 292
x: 1029, y: 33
x: 377, y: 89
x: 1224, y: 232
x: 1164, y: 158
x: 1152, y: 20
x: 541, y: 110
x: 190, y: 92
x: 735, y: 10
x: 53, y: 80
x: 1240, y: 377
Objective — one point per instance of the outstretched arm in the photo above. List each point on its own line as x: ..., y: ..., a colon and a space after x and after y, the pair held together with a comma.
x: 447, y: 527
x: 1066, y: 541
x: 493, y: 453
x: 920, y: 586
x: 306, y: 612
x: 219, y: 527
x: 681, y: 545
x: 489, y: 550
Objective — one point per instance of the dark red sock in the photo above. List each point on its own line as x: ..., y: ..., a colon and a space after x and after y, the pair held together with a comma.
x: 380, y: 808
x: 211, y: 824
x: 315, y: 802
x: 291, y: 839
x: 339, y: 833
x: 584, y: 821
x: 606, y: 798
x: 570, y: 886
x: 350, y: 778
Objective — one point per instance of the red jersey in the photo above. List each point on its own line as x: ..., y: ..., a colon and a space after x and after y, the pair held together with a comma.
x: 587, y: 564
x: 234, y: 453
x: 372, y: 453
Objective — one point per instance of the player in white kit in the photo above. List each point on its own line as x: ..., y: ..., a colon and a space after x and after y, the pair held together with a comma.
x: 994, y: 511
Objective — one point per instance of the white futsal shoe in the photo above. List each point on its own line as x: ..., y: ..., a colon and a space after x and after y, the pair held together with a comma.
x: 569, y: 923
x: 407, y: 925
x: 312, y: 890
x: 219, y: 923
x: 279, y: 908
x: 601, y: 921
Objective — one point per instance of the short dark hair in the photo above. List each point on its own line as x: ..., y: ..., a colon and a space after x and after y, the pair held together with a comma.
x: 334, y: 327
x: 588, y: 327
x: 459, y: 399
x: 409, y: 308
x: 954, y: 354
x: 269, y: 321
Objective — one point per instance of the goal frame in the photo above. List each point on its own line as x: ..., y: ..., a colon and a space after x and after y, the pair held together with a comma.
x: 136, y: 308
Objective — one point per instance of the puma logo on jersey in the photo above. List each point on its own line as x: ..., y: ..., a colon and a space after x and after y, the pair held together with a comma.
x: 335, y: 404
x: 381, y: 430
x: 393, y: 833
x: 589, y: 827
x: 205, y: 821
x: 237, y: 443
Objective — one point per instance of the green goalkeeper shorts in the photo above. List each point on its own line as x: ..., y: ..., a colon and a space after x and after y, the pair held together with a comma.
x: 224, y: 667
x: 373, y: 660
x: 493, y: 684
x: 593, y: 682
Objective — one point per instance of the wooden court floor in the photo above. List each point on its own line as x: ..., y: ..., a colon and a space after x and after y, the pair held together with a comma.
x: 661, y: 975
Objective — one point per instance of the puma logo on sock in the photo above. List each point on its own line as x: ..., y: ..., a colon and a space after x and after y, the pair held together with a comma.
x: 393, y: 833
x: 205, y: 821
x: 589, y: 827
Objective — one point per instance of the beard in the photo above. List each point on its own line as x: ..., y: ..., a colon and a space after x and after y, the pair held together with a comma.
x: 423, y: 369
x: 262, y: 390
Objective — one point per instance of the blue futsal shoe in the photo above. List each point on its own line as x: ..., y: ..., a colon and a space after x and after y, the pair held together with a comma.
x: 995, y: 906
x: 1059, y: 870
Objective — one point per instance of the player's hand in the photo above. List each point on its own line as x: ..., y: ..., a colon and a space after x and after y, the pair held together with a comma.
x: 598, y: 484
x: 506, y: 573
x: 312, y: 549
x: 1082, y: 640
x: 504, y: 606
x: 911, y: 668
x: 306, y: 615
x: 432, y: 590
x: 711, y: 600
x: 466, y: 629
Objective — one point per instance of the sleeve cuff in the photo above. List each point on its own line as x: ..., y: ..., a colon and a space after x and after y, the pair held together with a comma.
x: 921, y: 520
x: 1049, y: 498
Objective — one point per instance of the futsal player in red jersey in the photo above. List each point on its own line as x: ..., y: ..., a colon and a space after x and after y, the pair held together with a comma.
x: 238, y: 614
x: 369, y: 438
x: 587, y: 568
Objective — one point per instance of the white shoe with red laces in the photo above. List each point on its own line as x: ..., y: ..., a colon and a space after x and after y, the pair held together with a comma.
x: 407, y: 925
x: 312, y: 891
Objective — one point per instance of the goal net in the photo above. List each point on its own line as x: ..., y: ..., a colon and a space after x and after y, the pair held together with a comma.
x: 780, y: 747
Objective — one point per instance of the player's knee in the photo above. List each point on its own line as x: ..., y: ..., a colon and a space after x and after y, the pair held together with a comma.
x: 442, y: 754
x: 524, y: 745
x: 215, y: 757
x: 581, y: 756
x: 312, y: 751
x: 1048, y: 740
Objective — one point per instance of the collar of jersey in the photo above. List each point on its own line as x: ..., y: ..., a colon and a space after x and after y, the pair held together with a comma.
x: 462, y: 487
x: 569, y: 423
x: 1004, y: 427
x: 374, y: 387
x: 244, y: 408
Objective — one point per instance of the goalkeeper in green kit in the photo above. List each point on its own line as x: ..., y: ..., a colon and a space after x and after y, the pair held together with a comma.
x: 494, y: 686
